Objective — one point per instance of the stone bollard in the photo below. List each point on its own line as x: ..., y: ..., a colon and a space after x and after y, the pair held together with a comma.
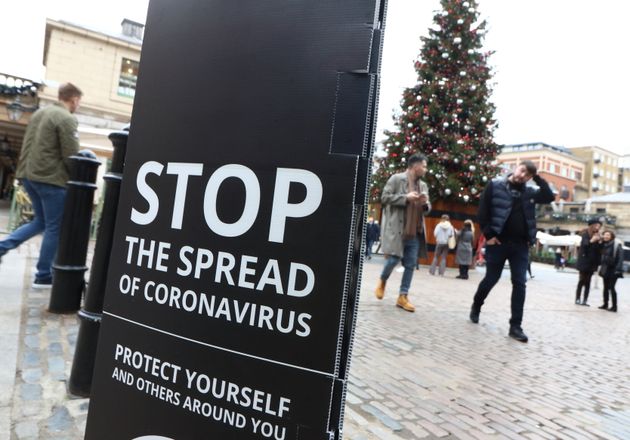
x: 80, y: 381
x: 69, y: 267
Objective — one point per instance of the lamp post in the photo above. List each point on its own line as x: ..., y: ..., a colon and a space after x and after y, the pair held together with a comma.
x: 16, y: 109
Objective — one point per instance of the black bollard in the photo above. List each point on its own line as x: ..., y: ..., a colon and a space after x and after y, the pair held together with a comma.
x: 80, y: 381
x: 69, y: 267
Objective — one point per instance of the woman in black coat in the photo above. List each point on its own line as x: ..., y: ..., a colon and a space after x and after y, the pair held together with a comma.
x: 588, y: 259
x: 611, y: 268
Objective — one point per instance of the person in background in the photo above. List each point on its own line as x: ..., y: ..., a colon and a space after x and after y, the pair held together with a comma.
x: 43, y: 169
x: 464, y: 252
x: 611, y: 268
x: 507, y: 216
x: 373, y: 234
x: 405, y: 202
x: 589, y: 256
x: 558, y: 256
x: 442, y: 232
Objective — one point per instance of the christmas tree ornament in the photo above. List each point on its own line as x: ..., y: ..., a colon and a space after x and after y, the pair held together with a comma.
x: 445, y: 55
x: 472, y: 168
x: 466, y: 197
x: 466, y: 4
x: 460, y: 101
x: 482, y: 119
x: 484, y: 178
x: 447, y: 191
x: 473, y: 190
x: 457, y: 40
x: 462, y: 73
x: 445, y: 125
x: 460, y: 21
x: 418, y: 98
x: 456, y: 160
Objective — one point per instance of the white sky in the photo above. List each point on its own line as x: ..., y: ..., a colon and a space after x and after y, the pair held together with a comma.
x: 561, y: 67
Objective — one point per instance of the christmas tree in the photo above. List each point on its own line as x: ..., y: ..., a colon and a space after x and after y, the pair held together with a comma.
x: 447, y: 115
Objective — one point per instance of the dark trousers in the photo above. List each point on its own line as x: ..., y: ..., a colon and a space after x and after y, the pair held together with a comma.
x: 496, y: 256
x: 609, y: 288
x: 584, y: 281
x: 463, y: 271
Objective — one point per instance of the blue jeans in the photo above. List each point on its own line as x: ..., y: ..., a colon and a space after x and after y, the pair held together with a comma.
x: 368, y: 247
x: 496, y: 256
x: 48, y: 202
x: 409, y: 260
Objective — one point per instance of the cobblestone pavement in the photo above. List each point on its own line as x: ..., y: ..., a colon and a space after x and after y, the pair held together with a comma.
x: 434, y: 374
x: 42, y: 409
x: 431, y: 374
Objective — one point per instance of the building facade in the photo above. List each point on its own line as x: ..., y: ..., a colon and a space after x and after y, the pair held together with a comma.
x: 624, y: 173
x: 555, y: 164
x: 601, y: 174
x: 103, y: 65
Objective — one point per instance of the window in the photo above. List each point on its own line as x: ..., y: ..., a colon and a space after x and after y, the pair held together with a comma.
x: 128, y: 78
x: 601, y: 210
x: 578, y: 175
x: 564, y: 172
x: 574, y: 210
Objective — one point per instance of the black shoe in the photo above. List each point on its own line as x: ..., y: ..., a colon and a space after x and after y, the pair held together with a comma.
x: 584, y: 303
x: 612, y: 309
x: 42, y: 283
x: 603, y: 307
x: 578, y: 302
x: 517, y: 333
x: 459, y: 276
x: 474, y: 315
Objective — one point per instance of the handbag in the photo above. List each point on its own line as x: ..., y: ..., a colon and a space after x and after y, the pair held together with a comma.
x: 452, y: 242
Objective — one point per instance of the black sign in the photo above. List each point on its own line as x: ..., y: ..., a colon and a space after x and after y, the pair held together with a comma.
x: 234, y: 274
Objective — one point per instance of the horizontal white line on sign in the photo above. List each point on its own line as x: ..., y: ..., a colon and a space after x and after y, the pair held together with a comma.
x: 323, y: 373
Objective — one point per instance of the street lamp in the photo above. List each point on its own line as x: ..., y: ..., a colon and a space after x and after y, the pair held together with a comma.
x: 16, y: 109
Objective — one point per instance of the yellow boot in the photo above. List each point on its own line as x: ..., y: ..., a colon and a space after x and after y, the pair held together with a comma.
x: 403, y: 303
x: 380, y: 289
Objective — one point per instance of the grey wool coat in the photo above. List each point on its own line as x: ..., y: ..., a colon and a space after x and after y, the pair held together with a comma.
x: 464, y: 252
x: 394, y: 201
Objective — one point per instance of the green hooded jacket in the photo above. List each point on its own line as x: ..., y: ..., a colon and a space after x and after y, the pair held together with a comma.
x: 50, y: 139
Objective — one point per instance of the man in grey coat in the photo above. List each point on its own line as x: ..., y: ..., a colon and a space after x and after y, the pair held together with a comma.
x: 405, y: 201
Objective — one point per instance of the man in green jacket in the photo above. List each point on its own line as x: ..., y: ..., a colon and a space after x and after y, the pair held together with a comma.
x: 50, y: 139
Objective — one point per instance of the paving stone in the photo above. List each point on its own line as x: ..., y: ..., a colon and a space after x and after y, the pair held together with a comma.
x: 31, y: 391
x: 384, y: 418
x: 60, y: 420
x: 26, y: 430
x: 32, y: 375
